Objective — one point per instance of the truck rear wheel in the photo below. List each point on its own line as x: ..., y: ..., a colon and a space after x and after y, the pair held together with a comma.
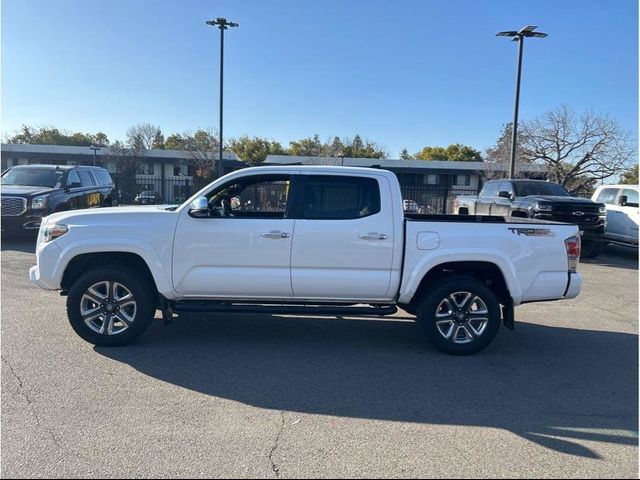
x: 460, y: 317
x: 110, y: 306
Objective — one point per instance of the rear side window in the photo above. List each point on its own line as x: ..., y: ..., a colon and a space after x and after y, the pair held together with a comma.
x: 607, y: 195
x: 332, y: 197
x: 86, y: 179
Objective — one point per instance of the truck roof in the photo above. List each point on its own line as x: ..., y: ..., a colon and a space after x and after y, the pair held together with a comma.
x: 319, y: 169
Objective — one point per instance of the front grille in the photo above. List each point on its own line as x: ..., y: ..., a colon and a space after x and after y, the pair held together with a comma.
x: 13, y: 206
x: 568, y: 210
x: 584, y: 219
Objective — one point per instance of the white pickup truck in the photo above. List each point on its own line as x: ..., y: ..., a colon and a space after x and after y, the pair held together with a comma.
x: 319, y: 240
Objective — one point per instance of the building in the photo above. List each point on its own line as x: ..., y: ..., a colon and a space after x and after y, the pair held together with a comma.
x: 167, y: 172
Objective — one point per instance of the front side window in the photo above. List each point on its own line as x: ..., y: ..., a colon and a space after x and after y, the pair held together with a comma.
x: 263, y: 196
x: 73, y: 178
x: 607, y: 195
x: 332, y: 197
x: 490, y: 189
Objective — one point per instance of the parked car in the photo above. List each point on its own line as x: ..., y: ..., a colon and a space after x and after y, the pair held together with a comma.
x: 623, y: 214
x: 147, y: 197
x: 541, y: 200
x: 410, y: 206
x: 339, y: 239
x: 31, y: 192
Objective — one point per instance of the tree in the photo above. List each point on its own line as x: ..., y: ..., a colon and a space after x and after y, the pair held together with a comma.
x: 203, y: 148
x: 254, y: 150
x: 630, y: 177
x: 576, y: 150
x: 52, y: 136
x: 405, y: 155
x: 175, y: 141
x: 357, y: 148
x: 498, y: 157
x: 307, y: 147
x: 143, y: 137
x: 455, y: 152
x: 126, y: 165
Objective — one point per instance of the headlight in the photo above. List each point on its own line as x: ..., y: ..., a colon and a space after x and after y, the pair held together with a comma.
x: 602, y: 210
x: 53, y: 231
x: 39, y: 202
x: 543, y: 207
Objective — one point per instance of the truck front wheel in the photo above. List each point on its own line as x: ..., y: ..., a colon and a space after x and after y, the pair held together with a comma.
x: 110, y: 306
x: 460, y: 317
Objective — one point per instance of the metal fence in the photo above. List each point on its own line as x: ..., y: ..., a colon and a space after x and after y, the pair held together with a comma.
x: 156, y: 190
x: 432, y: 199
x: 428, y: 199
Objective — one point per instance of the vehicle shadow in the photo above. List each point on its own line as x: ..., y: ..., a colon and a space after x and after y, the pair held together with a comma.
x: 26, y: 244
x: 616, y: 256
x: 553, y: 386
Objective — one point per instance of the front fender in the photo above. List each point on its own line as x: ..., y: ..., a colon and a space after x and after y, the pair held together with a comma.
x: 143, y: 249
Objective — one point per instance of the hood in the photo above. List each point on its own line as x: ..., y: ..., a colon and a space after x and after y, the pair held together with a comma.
x: 89, y: 216
x: 25, y: 190
x: 561, y: 199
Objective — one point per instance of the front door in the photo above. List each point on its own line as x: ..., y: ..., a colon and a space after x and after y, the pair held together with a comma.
x: 242, y: 249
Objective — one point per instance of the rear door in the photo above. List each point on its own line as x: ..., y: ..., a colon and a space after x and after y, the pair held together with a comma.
x: 344, y: 238
x: 90, y: 194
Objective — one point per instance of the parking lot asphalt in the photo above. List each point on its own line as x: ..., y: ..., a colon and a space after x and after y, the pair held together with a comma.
x: 282, y: 396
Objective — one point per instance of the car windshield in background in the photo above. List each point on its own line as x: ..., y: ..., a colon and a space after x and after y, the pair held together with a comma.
x: 524, y: 189
x: 33, y: 177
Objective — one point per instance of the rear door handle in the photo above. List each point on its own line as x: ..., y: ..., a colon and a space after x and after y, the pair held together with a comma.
x: 373, y: 236
x: 276, y: 234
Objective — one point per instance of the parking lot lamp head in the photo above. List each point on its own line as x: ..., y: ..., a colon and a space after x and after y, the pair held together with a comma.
x: 519, y: 36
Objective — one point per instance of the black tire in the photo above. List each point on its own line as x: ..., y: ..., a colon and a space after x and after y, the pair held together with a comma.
x: 591, y: 248
x: 141, y: 314
x: 479, y: 338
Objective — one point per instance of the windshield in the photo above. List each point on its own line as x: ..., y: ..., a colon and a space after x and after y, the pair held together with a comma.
x: 33, y: 177
x: 524, y: 189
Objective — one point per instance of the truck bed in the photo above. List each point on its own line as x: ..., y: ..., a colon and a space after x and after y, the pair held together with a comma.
x: 473, y: 219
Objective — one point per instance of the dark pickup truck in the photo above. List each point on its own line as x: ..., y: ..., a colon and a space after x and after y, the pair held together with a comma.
x: 31, y: 192
x: 541, y: 200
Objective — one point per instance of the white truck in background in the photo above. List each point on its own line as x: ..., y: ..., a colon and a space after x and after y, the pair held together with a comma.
x: 321, y: 240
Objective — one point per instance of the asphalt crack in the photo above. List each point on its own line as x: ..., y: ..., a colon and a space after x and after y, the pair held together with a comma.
x: 23, y: 392
x: 274, y: 465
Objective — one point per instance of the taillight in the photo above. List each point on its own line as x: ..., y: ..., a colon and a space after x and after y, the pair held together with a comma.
x: 572, y: 245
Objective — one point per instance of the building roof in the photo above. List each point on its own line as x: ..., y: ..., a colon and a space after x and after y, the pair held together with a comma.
x: 161, y: 155
x: 391, y: 164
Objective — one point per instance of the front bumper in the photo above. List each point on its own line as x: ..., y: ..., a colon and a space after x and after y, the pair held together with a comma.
x: 27, y: 222
x: 47, y: 256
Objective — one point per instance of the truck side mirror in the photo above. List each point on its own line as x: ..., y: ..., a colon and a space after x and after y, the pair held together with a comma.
x: 504, y: 194
x: 199, y: 207
x: 623, y: 200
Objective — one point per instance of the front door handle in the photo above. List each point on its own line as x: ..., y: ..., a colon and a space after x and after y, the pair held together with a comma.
x: 276, y: 234
x: 373, y: 236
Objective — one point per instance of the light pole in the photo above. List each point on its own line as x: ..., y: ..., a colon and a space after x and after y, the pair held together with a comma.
x: 95, y: 149
x: 519, y: 37
x: 222, y: 24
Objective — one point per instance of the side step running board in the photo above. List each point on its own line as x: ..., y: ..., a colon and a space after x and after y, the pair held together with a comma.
x: 222, y: 307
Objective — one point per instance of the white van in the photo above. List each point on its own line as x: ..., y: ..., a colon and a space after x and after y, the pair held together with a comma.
x: 623, y: 214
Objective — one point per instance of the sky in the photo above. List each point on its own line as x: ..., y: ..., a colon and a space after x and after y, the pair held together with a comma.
x: 402, y: 73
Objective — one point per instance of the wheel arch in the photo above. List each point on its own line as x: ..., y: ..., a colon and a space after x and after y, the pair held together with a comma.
x: 487, y: 272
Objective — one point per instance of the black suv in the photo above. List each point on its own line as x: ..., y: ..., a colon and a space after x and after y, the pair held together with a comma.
x: 548, y: 201
x: 31, y: 192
